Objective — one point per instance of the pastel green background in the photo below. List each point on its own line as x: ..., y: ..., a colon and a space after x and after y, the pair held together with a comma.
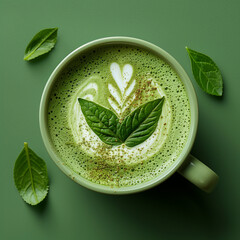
x: 175, y: 209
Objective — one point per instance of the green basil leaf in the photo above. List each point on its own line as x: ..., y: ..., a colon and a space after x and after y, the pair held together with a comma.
x: 206, y: 73
x: 141, y: 123
x: 41, y: 43
x: 135, y: 128
x: 102, y: 121
x: 30, y: 176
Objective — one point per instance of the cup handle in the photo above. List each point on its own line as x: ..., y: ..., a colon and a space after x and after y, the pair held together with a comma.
x: 198, y: 174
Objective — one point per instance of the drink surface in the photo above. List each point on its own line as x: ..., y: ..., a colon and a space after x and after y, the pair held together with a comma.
x: 120, y: 78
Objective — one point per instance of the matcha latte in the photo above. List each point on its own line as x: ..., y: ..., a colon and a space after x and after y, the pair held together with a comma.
x: 120, y: 78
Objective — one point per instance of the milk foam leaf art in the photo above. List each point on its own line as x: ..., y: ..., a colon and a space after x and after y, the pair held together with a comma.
x: 141, y: 123
x: 206, y: 73
x: 42, y: 42
x: 102, y: 121
x: 30, y: 176
x: 134, y: 129
x: 122, y: 95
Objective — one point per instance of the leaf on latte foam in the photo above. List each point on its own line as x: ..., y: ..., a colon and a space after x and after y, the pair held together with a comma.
x: 134, y: 129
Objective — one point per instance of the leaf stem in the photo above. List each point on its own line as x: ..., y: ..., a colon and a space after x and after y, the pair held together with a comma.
x: 30, y: 170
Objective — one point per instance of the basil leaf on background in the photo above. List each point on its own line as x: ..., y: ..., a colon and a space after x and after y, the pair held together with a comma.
x: 102, y: 121
x: 206, y: 73
x: 30, y: 176
x: 41, y: 43
x: 141, y: 123
x: 135, y: 128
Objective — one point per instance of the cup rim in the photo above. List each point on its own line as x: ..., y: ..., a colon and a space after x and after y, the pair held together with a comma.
x: 193, y: 109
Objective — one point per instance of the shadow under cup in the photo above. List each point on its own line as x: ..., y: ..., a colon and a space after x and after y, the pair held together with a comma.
x: 191, y: 168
